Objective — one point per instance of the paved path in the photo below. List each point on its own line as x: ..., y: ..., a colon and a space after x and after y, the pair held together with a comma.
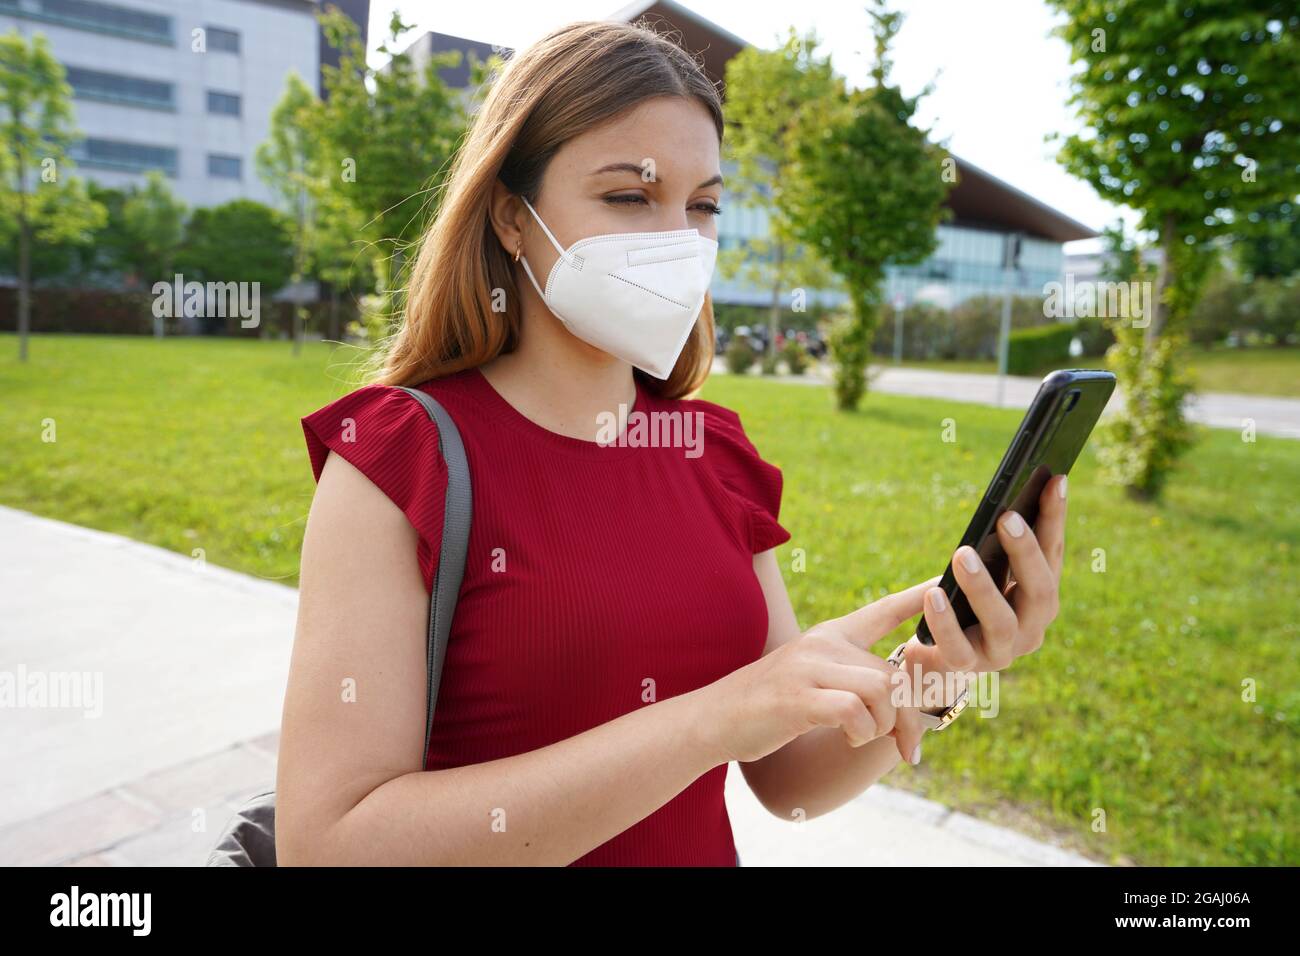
x: 1279, y: 417
x: 193, y: 662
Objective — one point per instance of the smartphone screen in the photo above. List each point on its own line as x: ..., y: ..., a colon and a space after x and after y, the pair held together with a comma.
x: 1051, y: 435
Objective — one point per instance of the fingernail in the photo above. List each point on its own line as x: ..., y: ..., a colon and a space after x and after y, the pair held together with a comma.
x: 971, y: 560
x: 1060, y: 489
x: 916, y: 756
x: 937, y: 601
x: 1014, y: 524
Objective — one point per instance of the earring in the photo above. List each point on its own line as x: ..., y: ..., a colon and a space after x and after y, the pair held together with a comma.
x: 518, y: 249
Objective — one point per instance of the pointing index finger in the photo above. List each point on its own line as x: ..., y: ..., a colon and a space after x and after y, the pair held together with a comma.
x: 867, y: 625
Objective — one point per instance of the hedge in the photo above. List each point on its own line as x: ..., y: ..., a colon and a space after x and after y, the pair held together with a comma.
x: 106, y: 312
x: 1029, y: 351
x: 81, y: 310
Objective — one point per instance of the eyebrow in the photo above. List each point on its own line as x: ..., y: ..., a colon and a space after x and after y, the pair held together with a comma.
x: 637, y: 169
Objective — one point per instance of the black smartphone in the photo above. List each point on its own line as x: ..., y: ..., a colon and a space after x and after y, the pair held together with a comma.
x: 1049, y: 439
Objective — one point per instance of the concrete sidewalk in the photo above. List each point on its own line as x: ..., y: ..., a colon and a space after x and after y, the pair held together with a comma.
x: 147, y: 769
x: 1279, y: 417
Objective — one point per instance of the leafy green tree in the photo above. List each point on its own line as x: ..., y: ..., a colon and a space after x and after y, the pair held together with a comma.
x: 1275, y: 309
x: 341, y: 257
x: 1190, y: 118
x: 767, y: 91
x: 1220, y: 310
x: 40, y: 202
x: 1272, y: 250
x: 388, y: 135
x: 290, y: 163
x: 113, y: 245
x: 239, y: 241
x: 1139, y: 445
x: 866, y: 190
x: 153, y: 220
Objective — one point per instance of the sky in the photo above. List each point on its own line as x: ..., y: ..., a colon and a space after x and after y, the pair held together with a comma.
x: 1000, y: 80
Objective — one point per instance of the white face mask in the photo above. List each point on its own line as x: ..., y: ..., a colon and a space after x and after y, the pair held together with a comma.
x: 635, y: 295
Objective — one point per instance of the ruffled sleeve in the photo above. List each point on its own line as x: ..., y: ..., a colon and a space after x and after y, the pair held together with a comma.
x: 753, y: 483
x: 388, y: 436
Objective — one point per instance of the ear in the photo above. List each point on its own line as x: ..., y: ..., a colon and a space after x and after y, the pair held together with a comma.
x: 507, y: 214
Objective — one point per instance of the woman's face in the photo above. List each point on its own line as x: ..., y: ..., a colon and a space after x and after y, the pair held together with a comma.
x: 654, y: 169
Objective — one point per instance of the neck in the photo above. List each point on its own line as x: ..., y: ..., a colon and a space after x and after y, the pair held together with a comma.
x: 559, y: 381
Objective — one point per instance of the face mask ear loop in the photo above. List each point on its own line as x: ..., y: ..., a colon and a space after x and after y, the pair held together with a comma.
x: 558, y: 248
x: 523, y: 261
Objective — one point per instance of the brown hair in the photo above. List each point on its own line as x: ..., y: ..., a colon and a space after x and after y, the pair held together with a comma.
x: 566, y: 83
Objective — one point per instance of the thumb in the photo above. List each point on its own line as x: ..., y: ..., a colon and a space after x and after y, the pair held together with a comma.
x: 869, y: 624
x: 907, y: 734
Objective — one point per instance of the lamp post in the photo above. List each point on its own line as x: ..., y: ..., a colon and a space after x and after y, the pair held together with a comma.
x: 898, y: 328
x: 1010, y: 263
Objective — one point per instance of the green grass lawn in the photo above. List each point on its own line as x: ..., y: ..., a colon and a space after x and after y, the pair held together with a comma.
x: 1133, y: 708
x: 1249, y: 371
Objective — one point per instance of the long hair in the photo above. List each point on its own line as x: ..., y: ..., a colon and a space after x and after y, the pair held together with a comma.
x: 568, y: 82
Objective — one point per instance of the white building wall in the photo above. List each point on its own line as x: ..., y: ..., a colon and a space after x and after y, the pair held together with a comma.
x: 275, y: 39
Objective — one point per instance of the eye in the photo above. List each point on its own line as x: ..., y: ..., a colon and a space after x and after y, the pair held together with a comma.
x: 625, y: 199
x: 708, y: 208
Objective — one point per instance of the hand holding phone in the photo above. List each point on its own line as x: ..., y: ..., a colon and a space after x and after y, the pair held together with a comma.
x: 1051, y: 435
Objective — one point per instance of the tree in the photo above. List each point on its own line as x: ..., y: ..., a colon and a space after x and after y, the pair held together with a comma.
x: 1272, y: 250
x: 154, y: 221
x: 240, y: 241
x: 289, y: 162
x: 388, y: 135
x: 151, y: 226
x: 768, y: 90
x: 866, y: 190
x: 1140, y: 443
x: 40, y: 202
x: 1190, y: 118
x: 341, y: 259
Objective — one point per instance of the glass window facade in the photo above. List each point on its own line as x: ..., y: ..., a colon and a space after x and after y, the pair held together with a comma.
x: 128, y: 157
x: 115, y: 88
x: 225, y: 167
x: 226, y: 104
x: 226, y: 41
x: 966, y: 262
x: 95, y: 16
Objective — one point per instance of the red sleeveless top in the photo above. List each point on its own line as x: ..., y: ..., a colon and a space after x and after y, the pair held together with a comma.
x: 594, y: 571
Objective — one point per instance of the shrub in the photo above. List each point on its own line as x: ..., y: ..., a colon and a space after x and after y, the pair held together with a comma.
x: 796, y: 357
x: 1138, y: 446
x: 850, y: 351
x: 739, y: 355
x: 968, y: 331
x: 1094, y: 335
x: 1031, y: 350
x: 1275, y: 309
x: 927, y: 332
x: 1223, y: 308
x: 768, y: 365
x: 81, y: 310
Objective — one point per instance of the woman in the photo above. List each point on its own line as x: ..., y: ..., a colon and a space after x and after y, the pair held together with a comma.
x: 623, y: 631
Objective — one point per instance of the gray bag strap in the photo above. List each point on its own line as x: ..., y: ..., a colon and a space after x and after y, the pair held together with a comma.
x: 457, y: 510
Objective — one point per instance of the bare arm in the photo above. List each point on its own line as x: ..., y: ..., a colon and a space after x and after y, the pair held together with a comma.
x: 350, y: 785
x: 818, y: 771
